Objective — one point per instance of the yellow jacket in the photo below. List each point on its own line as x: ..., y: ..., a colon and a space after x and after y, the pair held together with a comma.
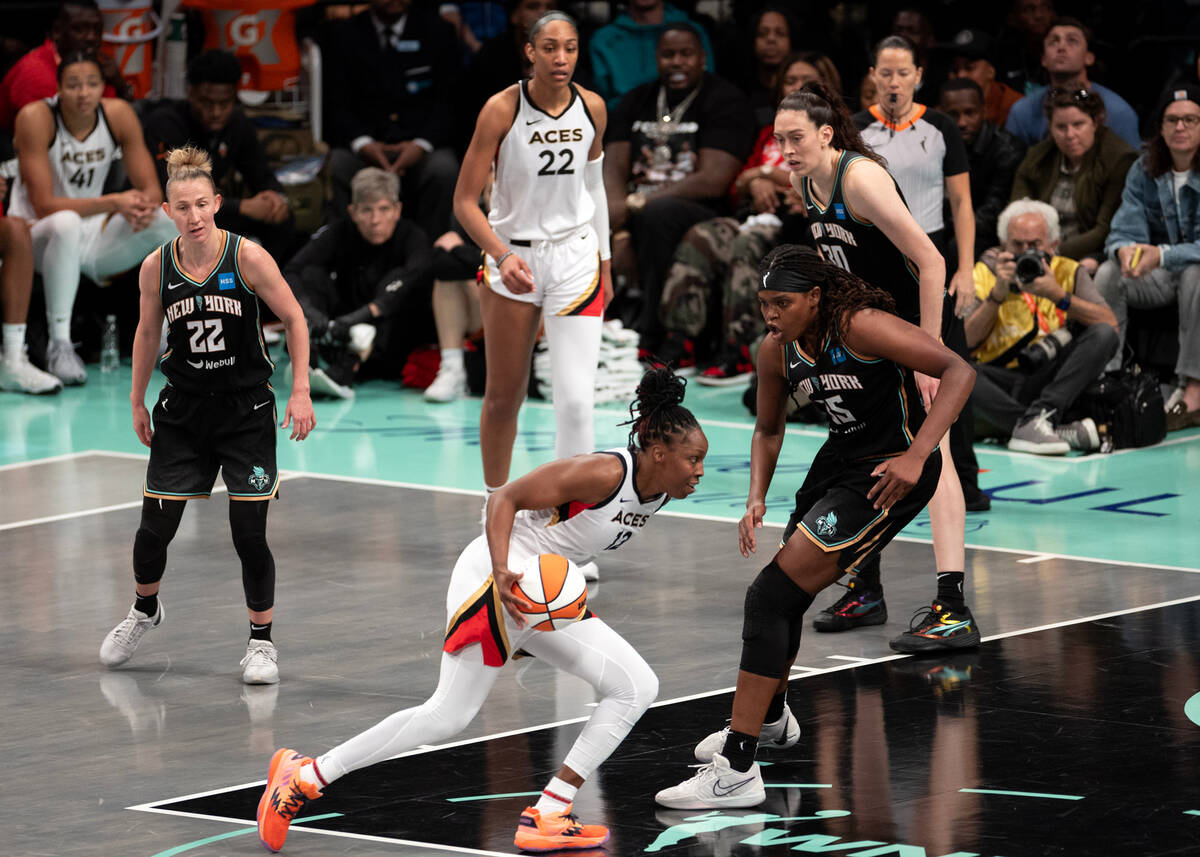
x: 1016, y: 325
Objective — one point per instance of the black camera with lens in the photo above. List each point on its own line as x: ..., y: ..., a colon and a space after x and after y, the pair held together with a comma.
x: 1045, y: 350
x: 1031, y: 265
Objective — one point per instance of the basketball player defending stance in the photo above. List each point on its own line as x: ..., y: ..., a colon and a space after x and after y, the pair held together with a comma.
x: 545, y: 243
x: 837, y: 339
x: 564, y: 507
x: 216, y: 409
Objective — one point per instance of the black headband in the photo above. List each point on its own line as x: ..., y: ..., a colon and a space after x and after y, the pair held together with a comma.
x: 785, y: 280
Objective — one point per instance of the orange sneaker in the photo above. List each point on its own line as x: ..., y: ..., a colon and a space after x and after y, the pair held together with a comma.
x: 285, y: 796
x: 556, y: 831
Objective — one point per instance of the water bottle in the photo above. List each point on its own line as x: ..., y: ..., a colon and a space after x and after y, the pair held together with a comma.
x: 110, y: 346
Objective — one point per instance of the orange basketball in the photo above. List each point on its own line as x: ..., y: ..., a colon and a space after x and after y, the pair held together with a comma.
x: 555, y: 589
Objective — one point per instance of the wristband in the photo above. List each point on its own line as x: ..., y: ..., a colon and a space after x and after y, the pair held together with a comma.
x: 1065, y: 303
x: 500, y: 261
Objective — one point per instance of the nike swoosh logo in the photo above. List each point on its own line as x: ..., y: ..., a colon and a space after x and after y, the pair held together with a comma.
x: 721, y: 790
x: 175, y: 285
x: 626, y: 499
x: 794, y: 365
x: 261, y: 404
x: 199, y: 364
x: 532, y: 121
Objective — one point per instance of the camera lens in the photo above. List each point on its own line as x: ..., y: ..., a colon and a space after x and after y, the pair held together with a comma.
x: 1029, y: 266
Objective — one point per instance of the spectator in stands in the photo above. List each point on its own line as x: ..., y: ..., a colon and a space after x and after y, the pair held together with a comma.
x: 992, y: 156
x: 1039, y: 336
x: 1079, y: 170
x: 1019, y: 47
x: 1154, y: 245
x: 913, y: 24
x: 971, y: 57
x: 17, y: 374
x: 455, y: 310
x: 625, y: 53
x: 76, y: 29
x: 1066, y: 57
x: 499, y: 62
x: 716, y: 263
x: 390, y: 71
x: 771, y: 29
x: 66, y: 147
x: 474, y: 21
x: 210, y: 119
x: 672, y: 149
x: 364, y: 285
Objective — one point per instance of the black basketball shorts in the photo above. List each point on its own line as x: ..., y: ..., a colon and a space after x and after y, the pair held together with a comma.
x: 833, y: 512
x: 195, y: 435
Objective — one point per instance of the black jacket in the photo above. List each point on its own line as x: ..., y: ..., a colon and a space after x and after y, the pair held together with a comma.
x: 390, y: 95
x: 994, y: 157
x: 235, y: 147
x: 337, y: 262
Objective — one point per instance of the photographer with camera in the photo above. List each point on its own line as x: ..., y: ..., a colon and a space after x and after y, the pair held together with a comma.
x: 1039, y: 333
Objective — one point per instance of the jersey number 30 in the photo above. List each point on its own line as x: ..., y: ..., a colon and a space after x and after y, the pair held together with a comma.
x: 548, y: 168
x: 202, y: 344
x: 835, y: 254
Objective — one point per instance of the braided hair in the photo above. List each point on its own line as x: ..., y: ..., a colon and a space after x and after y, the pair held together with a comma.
x: 657, y: 413
x: 842, y: 293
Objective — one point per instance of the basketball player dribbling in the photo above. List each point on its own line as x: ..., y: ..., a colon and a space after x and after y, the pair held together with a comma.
x: 545, y: 243
x: 564, y: 507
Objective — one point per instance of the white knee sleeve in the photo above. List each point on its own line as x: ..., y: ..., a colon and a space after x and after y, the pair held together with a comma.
x: 57, y: 240
x: 574, y: 350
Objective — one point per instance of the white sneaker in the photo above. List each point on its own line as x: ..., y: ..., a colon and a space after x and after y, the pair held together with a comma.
x: 780, y: 735
x: 450, y: 384
x: 122, y: 641
x: 716, y: 786
x: 63, y: 363
x: 1037, y: 435
x: 20, y: 376
x: 260, y: 663
x: 320, y: 384
x: 591, y: 571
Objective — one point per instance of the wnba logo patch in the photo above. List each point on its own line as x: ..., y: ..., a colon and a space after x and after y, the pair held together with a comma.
x: 224, y: 281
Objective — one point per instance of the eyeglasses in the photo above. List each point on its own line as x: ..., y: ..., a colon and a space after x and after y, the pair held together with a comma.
x: 1190, y: 120
x: 1077, y: 95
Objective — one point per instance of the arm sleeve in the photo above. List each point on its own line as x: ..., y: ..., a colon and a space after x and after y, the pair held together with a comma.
x: 593, y: 179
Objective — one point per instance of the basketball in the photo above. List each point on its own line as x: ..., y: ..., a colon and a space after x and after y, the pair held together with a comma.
x: 555, y: 588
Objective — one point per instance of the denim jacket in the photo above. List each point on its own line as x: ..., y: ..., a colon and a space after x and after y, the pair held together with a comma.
x: 1148, y: 215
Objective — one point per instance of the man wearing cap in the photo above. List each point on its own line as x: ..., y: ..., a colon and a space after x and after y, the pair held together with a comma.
x: 1066, y: 57
x: 1154, y: 243
x: 971, y: 57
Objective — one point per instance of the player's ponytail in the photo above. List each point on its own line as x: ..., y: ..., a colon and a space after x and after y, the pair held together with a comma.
x: 658, y: 413
x: 825, y: 106
x: 188, y: 162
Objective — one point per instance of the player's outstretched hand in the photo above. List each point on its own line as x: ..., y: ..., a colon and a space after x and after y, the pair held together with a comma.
x: 505, y: 580
x: 897, y: 476
x: 300, y: 414
x: 516, y: 275
x: 751, y: 521
x: 141, y: 424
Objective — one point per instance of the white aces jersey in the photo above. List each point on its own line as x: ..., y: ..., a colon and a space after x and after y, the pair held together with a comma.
x: 79, y: 167
x: 539, y: 192
x: 579, y: 531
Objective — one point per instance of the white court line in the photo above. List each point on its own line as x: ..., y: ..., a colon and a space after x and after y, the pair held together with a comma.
x: 1042, y: 557
x: 100, y: 510
x: 34, y: 462
x: 849, y: 658
x: 149, y: 807
x: 696, y: 516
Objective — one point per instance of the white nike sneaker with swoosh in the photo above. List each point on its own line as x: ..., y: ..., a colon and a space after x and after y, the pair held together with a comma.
x: 716, y: 786
x: 780, y: 735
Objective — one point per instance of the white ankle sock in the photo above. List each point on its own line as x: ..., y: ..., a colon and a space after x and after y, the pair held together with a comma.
x: 452, y: 358
x: 14, y: 340
x: 556, y: 797
x: 308, y: 775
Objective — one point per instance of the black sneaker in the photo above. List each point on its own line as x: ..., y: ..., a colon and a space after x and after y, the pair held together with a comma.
x: 937, y: 628
x: 676, y: 351
x: 856, y: 609
x: 733, y: 366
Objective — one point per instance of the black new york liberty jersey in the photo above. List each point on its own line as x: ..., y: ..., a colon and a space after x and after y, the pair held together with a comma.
x: 873, y: 405
x: 214, y: 329
x: 860, y: 247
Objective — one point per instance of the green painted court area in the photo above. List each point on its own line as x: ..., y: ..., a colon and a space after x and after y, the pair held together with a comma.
x: 1133, y: 506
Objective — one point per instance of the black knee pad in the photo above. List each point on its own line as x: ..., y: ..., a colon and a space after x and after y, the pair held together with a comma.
x: 248, y: 524
x: 160, y: 520
x: 771, y: 624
